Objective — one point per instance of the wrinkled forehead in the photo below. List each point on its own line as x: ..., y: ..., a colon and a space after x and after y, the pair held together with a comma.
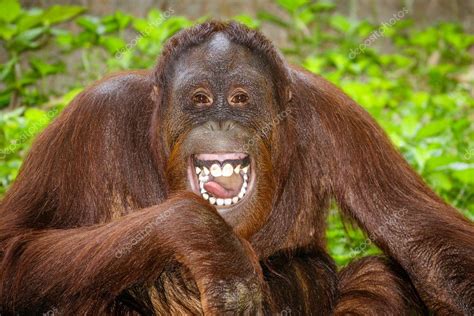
x: 220, y: 57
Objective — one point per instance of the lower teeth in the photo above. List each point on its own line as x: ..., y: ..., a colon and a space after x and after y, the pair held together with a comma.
x: 219, y: 201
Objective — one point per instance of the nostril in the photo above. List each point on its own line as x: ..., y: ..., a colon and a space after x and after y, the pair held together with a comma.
x: 228, y: 125
x: 212, y: 126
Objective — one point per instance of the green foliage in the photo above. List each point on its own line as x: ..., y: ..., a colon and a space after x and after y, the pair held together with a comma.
x: 21, y: 32
x: 417, y: 83
x: 18, y: 128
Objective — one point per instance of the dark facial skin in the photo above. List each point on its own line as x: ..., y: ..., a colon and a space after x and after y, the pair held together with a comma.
x: 224, y: 93
x: 220, y: 69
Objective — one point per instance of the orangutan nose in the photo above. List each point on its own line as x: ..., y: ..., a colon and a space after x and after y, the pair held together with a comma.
x: 224, y: 126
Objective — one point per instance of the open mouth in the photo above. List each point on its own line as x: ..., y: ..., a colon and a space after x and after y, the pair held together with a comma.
x: 223, y: 179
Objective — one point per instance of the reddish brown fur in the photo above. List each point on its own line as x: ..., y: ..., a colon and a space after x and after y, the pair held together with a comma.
x: 375, y: 286
x: 101, y: 173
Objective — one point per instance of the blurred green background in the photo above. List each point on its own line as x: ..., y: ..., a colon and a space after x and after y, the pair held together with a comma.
x: 417, y: 81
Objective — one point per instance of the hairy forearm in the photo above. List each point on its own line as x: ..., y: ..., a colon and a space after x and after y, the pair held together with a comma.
x: 68, y: 266
x: 49, y: 265
x: 95, y: 264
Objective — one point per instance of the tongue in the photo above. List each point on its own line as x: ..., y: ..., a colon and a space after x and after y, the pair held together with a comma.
x: 218, y: 190
x: 224, y: 187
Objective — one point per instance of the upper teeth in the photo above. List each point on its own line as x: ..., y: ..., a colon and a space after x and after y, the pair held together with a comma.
x: 227, y: 170
x: 216, y: 170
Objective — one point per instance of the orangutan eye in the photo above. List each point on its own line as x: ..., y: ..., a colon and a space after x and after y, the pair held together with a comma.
x: 201, y: 99
x: 239, y: 98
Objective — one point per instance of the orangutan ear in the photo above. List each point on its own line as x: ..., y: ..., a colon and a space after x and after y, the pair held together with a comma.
x: 155, y: 93
x: 289, y: 95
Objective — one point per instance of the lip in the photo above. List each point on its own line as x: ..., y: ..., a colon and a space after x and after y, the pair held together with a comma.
x: 221, y: 156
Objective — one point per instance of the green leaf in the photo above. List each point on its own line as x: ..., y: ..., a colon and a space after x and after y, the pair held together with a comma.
x: 5, y: 98
x: 410, y: 125
x: 306, y: 16
x: 339, y: 60
x: 30, y: 19
x: 45, y: 69
x: 68, y: 97
x: 292, y: 5
x: 10, y: 10
x: 420, y: 99
x: 440, y: 180
x: 35, y: 115
x: 112, y: 43
x: 321, y: 6
x: 60, y: 13
x: 265, y: 16
x: 122, y: 19
x: 340, y: 23
x: 89, y: 23
x: 247, y: 20
x: 432, y: 129
x: 7, y: 31
x: 110, y: 24
x: 465, y: 176
x: 436, y: 163
x: 314, y: 64
x: 26, y: 40
x: 8, y: 68
x: 65, y: 40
